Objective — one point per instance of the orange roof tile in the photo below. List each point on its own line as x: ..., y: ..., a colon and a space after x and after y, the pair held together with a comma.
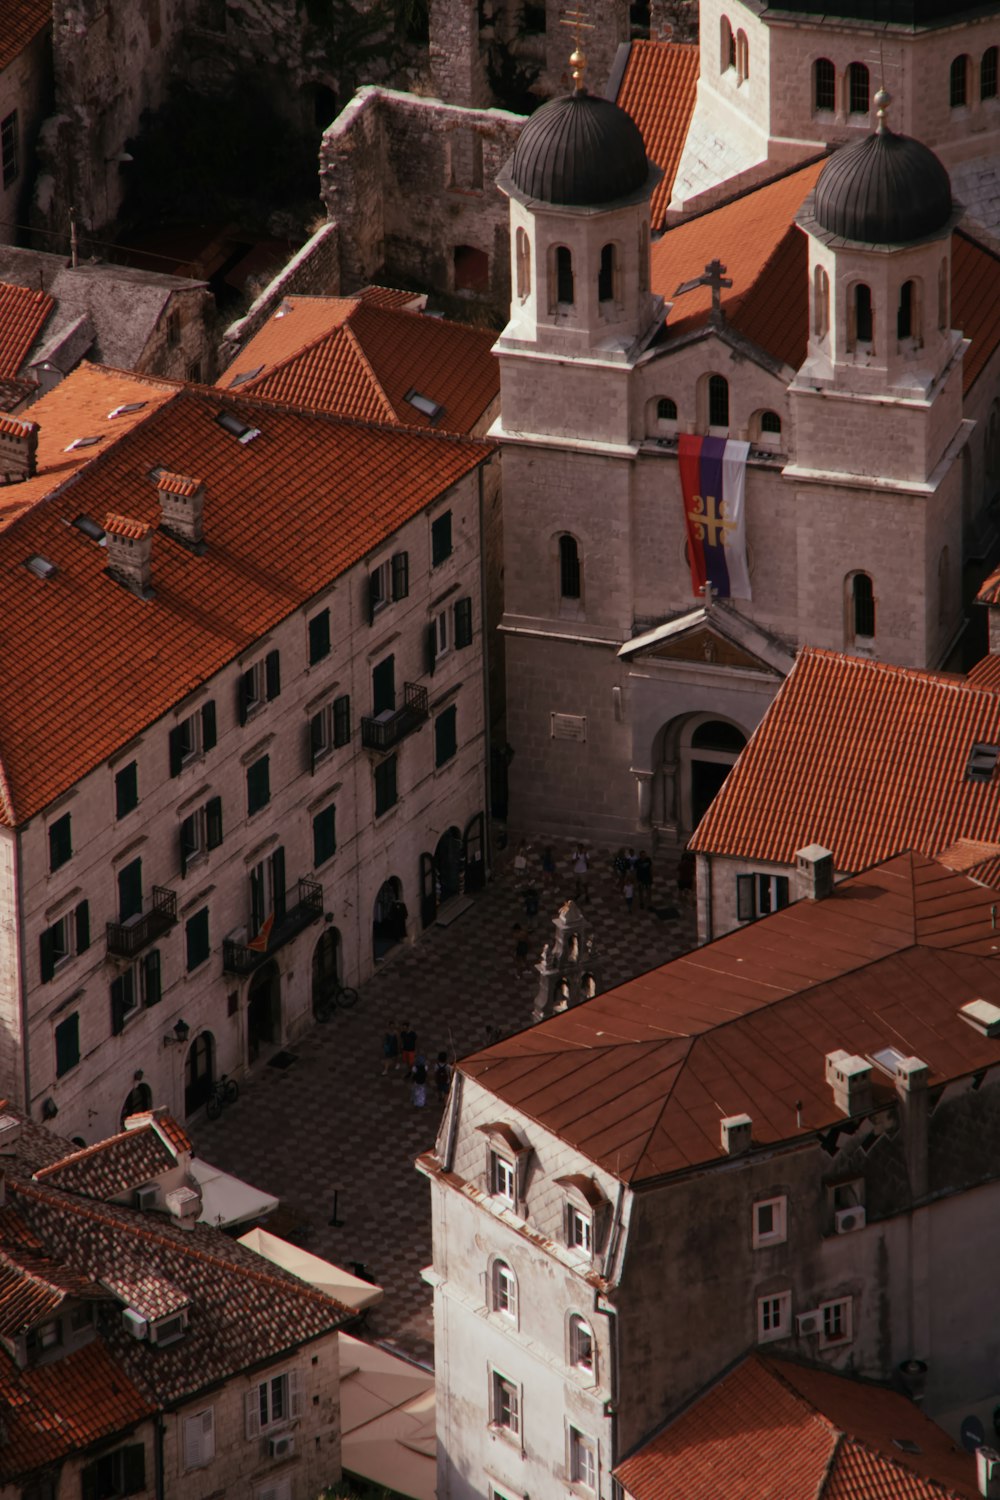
x: 23, y: 312
x: 639, y: 1078
x: 658, y: 90
x: 53, y: 1411
x: 123, y: 1161
x: 989, y: 592
x: 359, y: 358
x: 347, y: 486
x: 81, y: 406
x: 862, y: 757
x: 986, y: 673
x: 22, y: 21
x: 975, y: 302
x: 780, y: 1431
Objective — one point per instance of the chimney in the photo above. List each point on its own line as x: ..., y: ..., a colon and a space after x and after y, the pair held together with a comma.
x: 130, y: 553
x: 988, y: 1472
x: 911, y: 1086
x: 736, y: 1134
x: 182, y: 506
x: 814, y: 866
x: 18, y: 449
x: 850, y: 1077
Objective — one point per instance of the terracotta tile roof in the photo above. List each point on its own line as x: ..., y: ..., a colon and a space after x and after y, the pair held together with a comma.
x: 779, y: 1431
x: 989, y: 592
x: 639, y: 1078
x: 357, y: 357
x: 986, y: 674
x: 80, y: 406
x: 22, y: 21
x: 864, y: 758
x: 143, y: 1288
x: 32, y: 1283
x: 658, y: 90
x: 55, y: 1410
x: 14, y: 393
x: 23, y: 313
x: 344, y: 487
x: 124, y: 1161
x: 177, y: 484
x: 978, y: 860
x: 243, y: 1311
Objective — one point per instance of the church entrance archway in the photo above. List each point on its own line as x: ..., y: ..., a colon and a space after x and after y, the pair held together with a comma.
x: 326, y: 967
x: 715, y: 745
x: 263, y: 1009
x: 199, y: 1072
x: 388, y: 918
x: 692, y: 756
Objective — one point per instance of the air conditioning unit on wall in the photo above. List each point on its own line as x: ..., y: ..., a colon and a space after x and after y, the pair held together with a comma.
x: 281, y: 1447
x: 847, y: 1220
x: 145, y: 1198
x: 808, y: 1323
x: 135, y: 1323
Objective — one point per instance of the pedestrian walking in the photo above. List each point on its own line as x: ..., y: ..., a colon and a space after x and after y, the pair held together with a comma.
x: 521, y: 863
x: 419, y: 1083
x: 408, y: 1045
x: 644, y: 879
x: 619, y: 865
x: 442, y: 1076
x: 548, y: 865
x: 581, y: 869
x: 520, y: 949
x: 390, y: 1051
x: 628, y: 891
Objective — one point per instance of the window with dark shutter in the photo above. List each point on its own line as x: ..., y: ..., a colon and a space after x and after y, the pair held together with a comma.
x: 258, y: 785
x: 67, y: 1038
x: 272, y: 674
x: 60, y: 842
x: 341, y: 720
x: 430, y: 648
x: 196, y: 938
x: 208, y: 731
x: 83, y: 927
x: 175, y: 740
x: 385, y: 786
x: 213, y: 822
x: 445, y: 736
x: 463, y: 622
x: 133, y: 1469
x: 130, y: 890
x: 126, y: 789
x: 189, y: 841
x: 324, y: 836
x: 152, y: 984
x: 319, y: 636
x: 317, y: 739
x: 745, y: 906
x: 400, y: 575
x: 258, y: 910
x: 441, y: 539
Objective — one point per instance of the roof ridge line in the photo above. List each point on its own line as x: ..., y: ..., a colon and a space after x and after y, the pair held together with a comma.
x: 752, y: 187
x: 394, y: 428
x: 370, y: 368
x: 265, y: 373
x: 86, y: 1151
x: 689, y: 1039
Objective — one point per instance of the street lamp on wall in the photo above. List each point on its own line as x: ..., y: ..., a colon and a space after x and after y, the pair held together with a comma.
x: 180, y: 1034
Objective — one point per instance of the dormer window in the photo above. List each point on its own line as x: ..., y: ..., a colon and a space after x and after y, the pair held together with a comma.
x: 506, y: 1164
x: 585, y: 1213
x: 44, y: 1337
x: 503, y: 1177
x: 168, y: 1330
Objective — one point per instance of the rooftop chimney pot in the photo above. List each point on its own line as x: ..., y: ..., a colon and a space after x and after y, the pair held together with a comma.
x: 850, y: 1077
x: 182, y: 506
x: 130, y: 553
x: 18, y: 450
x: 814, y: 866
x: 736, y: 1132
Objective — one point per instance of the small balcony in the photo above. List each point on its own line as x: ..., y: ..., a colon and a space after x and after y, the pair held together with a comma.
x: 394, y: 724
x: 126, y: 939
x: 302, y: 905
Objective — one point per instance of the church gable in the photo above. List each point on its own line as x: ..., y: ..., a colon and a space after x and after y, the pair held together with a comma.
x: 705, y: 641
x: 707, y: 646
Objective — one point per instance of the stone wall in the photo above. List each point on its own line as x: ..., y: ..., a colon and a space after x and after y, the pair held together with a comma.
x: 313, y: 271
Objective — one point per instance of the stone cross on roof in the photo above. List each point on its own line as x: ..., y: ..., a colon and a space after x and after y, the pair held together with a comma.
x: 714, y: 275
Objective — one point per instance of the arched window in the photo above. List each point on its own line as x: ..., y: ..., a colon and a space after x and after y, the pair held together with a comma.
x: 607, y: 276
x: 858, y: 89
x: 742, y: 57
x: 727, y: 45
x: 862, y: 606
x: 666, y: 410
x: 821, y: 302
x: 564, y: 275
x: 943, y: 295
x: 523, y: 264
x: 958, y: 82
x: 504, y: 1290
x: 718, y: 401
x: 770, y: 422
x: 863, y: 331
x: 581, y: 1344
x: 569, y: 567
x: 988, y: 74
x: 906, y: 312
x: 944, y: 586
x: 824, y: 85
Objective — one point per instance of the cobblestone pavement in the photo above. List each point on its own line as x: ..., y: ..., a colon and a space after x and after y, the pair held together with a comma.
x: 332, y: 1121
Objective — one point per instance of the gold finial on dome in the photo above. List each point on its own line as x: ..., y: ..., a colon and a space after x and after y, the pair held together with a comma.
x: 577, y: 61
x: 882, y: 101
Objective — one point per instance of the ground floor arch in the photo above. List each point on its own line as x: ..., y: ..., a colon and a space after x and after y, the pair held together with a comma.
x: 692, y: 756
x: 326, y: 961
x: 138, y: 1099
x: 263, y: 1010
x: 388, y: 917
x: 199, y: 1072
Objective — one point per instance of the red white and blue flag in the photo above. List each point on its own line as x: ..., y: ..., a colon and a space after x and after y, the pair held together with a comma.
x: 713, y: 483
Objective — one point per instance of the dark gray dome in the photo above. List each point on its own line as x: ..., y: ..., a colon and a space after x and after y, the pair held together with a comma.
x: 885, y: 190
x: 581, y: 151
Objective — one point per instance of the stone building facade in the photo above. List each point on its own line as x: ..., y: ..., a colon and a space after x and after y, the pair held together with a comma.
x: 25, y: 98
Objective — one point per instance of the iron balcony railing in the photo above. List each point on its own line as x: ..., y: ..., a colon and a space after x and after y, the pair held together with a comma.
x: 302, y: 905
x: 394, y: 724
x: 126, y: 939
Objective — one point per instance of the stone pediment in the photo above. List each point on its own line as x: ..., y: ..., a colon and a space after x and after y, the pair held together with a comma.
x: 716, y: 638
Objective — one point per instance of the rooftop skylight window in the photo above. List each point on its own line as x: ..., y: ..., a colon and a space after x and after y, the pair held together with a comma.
x: 85, y: 442
x: 982, y: 762
x: 40, y: 566
x: 887, y: 1059
x: 907, y: 1445
x: 424, y: 404
x: 244, y: 376
x: 89, y: 527
x: 121, y: 411
x: 230, y: 422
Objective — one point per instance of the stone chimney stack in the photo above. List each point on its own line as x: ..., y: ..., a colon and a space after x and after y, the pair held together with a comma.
x: 850, y: 1077
x: 130, y: 553
x: 18, y: 449
x: 182, y: 507
x: 736, y: 1134
x: 814, y: 867
x: 911, y: 1086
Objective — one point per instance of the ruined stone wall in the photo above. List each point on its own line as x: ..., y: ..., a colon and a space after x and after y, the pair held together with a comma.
x: 313, y: 271
x: 457, y: 68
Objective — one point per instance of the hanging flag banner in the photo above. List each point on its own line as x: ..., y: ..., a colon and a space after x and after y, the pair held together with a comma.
x: 713, y: 484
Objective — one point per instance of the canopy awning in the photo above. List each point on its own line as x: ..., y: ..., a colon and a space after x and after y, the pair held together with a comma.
x: 228, y: 1200
x: 322, y: 1274
x: 387, y: 1416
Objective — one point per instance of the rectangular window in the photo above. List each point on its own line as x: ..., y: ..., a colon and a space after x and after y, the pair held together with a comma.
x: 319, y: 636
x: 192, y: 737
x: 445, y: 736
x: 196, y: 939
x: 10, y: 148
x: 441, y: 539
x: 114, y: 1474
x: 774, y: 1316
x: 759, y: 895
x: 126, y: 789
x: 60, y: 842
x: 130, y: 890
x: 580, y: 1228
x: 258, y: 785
x: 137, y: 987
x: 258, y: 685
x: 503, y: 1177
x: 385, y: 786
x: 62, y: 940
x: 463, y: 622
x: 442, y: 633
x: 67, y: 1044
x: 582, y: 1459
x: 837, y: 1322
x: 200, y: 831
x: 581, y: 1344
x: 379, y: 589
x: 769, y: 1222
x: 504, y: 1290
x: 506, y: 1405
x: 199, y: 1439
x: 384, y: 687
x: 400, y: 575
x: 341, y: 720
x: 273, y: 1403
x: 329, y: 729
x: 324, y: 836
x: 268, y: 897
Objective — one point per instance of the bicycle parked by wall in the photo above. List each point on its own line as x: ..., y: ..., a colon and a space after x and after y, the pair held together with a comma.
x: 335, y: 996
x: 225, y: 1090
